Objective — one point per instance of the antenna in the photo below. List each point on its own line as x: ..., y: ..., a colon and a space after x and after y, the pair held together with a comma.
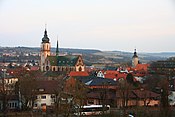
x: 45, y: 25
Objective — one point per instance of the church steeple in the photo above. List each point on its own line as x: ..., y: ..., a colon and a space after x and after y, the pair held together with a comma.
x: 135, y: 59
x: 45, y: 39
x: 45, y: 51
x: 57, y: 49
x: 135, y: 53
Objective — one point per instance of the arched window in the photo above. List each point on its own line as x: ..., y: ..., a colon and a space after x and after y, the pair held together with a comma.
x: 47, y: 68
x: 80, y: 69
x: 58, y: 69
x: 54, y: 69
x: 66, y: 69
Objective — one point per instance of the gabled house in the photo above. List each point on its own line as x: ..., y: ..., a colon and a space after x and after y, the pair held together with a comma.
x: 45, y: 93
x: 100, y: 74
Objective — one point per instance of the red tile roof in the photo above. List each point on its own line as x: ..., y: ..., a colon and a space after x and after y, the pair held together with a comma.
x: 143, y: 67
x: 34, y: 68
x: 73, y: 73
x: 114, y: 75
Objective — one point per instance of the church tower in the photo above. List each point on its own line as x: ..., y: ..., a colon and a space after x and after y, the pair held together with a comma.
x: 135, y: 59
x: 45, y: 51
x: 57, y: 49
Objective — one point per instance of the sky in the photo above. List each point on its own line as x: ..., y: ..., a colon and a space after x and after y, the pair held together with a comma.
x: 108, y: 25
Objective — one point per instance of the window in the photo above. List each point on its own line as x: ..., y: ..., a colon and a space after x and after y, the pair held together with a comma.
x: 52, y: 96
x: 80, y: 69
x: 15, y: 104
x: 35, y: 105
x: 43, y: 104
x: 54, y: 69
x: 47, y: 68
x: 43, y: 97
x: 9, y: 104
x: 12, y: 104
x: 41, y: 89
x: 90, y: 102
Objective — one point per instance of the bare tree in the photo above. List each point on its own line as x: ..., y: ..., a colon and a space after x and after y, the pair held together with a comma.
x: 78, y: 90
x: 26, y: 87
x: 165, y: 109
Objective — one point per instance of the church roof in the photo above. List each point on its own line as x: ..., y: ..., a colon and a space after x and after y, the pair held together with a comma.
x: 53, y: 60
x: 69, y: 60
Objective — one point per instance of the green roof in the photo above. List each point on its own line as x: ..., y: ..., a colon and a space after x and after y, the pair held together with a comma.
x: 53, y: 60
x: 69, y: 60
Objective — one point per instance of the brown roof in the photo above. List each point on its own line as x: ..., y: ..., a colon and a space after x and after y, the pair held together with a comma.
x: 141, y: 94
x: 48, y: 86
x: 145, y: 94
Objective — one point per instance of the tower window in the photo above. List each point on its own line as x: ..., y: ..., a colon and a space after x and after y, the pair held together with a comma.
x: 47, y: 68
x: 80, y: 69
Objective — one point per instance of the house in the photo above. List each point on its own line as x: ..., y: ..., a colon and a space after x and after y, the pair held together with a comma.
x: 139, y: 97
x: 100, y: 73
x: 12, y: 102
x: 100, y: 89
x: 171, y: 98
x: 45, y: 93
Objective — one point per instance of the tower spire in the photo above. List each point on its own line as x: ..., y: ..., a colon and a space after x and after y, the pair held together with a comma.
x: 45, y: 39
x: 135, y: 53
x: 57, y: 49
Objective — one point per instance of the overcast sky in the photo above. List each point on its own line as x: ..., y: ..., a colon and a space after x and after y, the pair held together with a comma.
x: 148, y: 25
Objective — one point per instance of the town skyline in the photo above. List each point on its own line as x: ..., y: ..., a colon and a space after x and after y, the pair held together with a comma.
x: 102, y: 25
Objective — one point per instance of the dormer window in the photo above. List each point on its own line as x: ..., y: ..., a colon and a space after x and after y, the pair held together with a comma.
x: 41, y: 90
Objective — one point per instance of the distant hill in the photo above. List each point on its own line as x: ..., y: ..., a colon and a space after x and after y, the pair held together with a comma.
x: 93, y: 55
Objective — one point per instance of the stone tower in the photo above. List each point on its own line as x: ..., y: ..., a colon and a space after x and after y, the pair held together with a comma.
x: 45, y: 51
x: 135, y: 59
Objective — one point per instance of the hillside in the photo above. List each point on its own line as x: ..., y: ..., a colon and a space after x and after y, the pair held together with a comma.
x: 91, y: 55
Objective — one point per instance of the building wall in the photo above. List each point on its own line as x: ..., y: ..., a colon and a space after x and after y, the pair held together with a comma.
x: 12, y: 104
x: 43, y: 99
x: 135, y: 61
